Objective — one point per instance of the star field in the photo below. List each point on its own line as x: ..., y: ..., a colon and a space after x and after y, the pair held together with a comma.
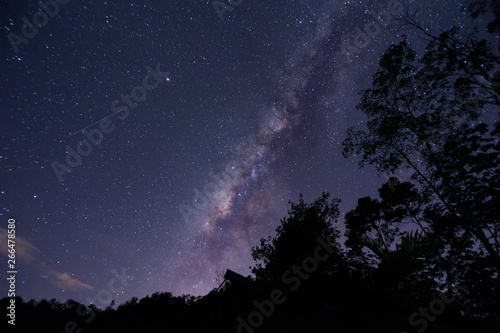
x: 257, y: 104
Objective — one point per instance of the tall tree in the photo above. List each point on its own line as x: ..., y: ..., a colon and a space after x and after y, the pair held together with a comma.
x: 480, y: 7
x: 296, y: 237
x: 391, y: 235
x: 426, y: 115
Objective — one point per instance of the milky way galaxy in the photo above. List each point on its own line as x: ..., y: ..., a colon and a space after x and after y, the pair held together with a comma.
x: 253, y: 114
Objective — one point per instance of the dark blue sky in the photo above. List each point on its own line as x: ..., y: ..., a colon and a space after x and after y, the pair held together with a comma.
x: 252, y: 112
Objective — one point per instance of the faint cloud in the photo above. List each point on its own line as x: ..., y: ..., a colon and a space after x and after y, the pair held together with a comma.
x: 25, y: 251
x: 64, y: 281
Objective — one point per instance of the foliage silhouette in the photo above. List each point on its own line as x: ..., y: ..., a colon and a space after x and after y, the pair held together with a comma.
x: 401, y: 248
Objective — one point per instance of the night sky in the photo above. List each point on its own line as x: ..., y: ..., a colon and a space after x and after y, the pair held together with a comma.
x: 204, y: 125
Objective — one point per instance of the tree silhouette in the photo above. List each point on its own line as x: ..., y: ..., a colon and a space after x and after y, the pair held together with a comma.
x: 296, y: 237
x: 426, y: 114
x: 480, y: 7
x: 423, y: 117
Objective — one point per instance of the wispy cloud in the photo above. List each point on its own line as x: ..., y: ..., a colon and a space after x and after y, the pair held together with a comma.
x: 27, y: 252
